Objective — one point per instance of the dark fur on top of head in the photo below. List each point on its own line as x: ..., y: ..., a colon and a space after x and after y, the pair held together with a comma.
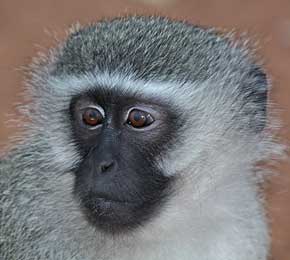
x: 221, y: 97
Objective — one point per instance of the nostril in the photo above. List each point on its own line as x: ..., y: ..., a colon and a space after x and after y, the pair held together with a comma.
x: 106, y: 166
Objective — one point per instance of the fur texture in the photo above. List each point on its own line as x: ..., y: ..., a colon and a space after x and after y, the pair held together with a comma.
x: 216, y: 212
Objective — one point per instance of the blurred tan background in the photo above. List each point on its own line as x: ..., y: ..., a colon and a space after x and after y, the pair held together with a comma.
x: 24, y: 26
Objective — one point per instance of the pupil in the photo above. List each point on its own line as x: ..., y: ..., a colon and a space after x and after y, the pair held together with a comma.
x: 138, y: 117
x: 93, y: 115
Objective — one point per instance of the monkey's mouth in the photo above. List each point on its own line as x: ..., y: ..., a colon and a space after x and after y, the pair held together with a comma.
x: 111, y: 214
x: 101, y: 202
x: 105, y: 203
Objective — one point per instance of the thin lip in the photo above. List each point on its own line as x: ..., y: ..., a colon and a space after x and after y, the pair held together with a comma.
x: 104, y: 198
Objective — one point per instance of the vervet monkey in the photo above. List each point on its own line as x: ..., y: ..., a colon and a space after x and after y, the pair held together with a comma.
x: 141, y: 143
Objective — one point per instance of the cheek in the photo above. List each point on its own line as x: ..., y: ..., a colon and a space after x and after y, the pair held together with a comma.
x: 142, y: 147
x: 64, y: 153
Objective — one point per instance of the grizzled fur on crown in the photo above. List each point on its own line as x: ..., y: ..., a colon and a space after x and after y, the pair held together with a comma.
x: 151, y: 49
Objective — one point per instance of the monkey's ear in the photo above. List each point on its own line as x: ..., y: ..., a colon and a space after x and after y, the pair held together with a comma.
x: 257, y: 94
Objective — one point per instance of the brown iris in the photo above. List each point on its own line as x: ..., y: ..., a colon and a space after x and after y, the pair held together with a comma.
x: 92, y: 117
x: 138, y: 118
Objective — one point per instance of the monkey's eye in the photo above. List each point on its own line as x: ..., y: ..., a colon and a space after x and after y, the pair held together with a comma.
x: 92, y: 117
x: 138, y: 118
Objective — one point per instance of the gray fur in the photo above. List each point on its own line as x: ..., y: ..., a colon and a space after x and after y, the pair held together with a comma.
x: 217, y: 212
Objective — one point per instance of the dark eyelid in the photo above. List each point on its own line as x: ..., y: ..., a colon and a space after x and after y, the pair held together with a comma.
x: 99, y: 108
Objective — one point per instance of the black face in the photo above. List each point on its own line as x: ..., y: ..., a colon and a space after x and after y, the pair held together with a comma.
x: 119, y: 138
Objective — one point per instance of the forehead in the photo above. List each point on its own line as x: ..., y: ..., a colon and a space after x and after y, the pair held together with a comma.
x: 118, y: 97
x: 116, y: 88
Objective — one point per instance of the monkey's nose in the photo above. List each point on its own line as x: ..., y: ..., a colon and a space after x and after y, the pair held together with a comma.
x: 106, y: 166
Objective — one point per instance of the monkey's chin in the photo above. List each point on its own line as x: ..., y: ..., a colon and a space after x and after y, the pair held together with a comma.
x: 113, y: 216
